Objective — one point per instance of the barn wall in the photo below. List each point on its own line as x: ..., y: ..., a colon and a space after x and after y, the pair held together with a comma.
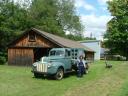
x: 39, y: 42
x: 20, y: 56
x: 21, y: 52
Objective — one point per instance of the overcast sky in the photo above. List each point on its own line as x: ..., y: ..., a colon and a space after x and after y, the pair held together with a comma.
x: 94, y: 15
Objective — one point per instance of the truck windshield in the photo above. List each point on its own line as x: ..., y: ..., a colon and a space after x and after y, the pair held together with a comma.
x: 56, y: 53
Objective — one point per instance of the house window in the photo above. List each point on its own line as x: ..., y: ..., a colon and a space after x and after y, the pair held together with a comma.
x: 32, y: 37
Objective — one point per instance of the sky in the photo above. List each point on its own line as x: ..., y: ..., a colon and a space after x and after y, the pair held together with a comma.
x: 94, y: 16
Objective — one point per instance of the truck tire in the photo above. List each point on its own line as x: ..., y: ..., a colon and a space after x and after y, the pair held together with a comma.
x: 37, y: 75
x: 59, y: 74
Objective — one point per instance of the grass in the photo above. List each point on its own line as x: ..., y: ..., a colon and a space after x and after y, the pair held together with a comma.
x: 19, y: 81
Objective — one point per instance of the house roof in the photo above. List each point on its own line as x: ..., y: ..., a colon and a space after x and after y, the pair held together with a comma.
x: 62, y: 42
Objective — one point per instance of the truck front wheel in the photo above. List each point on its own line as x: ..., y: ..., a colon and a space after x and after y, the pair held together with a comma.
x: 59, y: 74
x: 37, y: 75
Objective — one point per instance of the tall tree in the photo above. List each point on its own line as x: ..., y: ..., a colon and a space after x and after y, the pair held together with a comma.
x: 44, y: 16
x: 56, y: 16
x: 13, y: 20
x: 117, y: 30
x: 68, y: 18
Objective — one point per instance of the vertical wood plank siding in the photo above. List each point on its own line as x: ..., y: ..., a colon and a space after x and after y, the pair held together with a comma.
x: 40, y: 42
x: 20, y: 57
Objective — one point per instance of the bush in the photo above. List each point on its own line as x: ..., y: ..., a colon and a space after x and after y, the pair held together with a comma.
x: 2, y: 60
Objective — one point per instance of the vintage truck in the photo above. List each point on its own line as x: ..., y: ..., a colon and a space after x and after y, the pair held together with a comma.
x: 58, y: 62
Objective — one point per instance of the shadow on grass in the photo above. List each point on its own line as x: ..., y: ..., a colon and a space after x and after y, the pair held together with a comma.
x: 51, y: 77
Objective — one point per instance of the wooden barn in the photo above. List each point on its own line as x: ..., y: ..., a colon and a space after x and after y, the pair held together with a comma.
x: 33, y: 44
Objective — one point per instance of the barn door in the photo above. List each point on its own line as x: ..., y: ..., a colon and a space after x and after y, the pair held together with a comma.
x: 20, y: 56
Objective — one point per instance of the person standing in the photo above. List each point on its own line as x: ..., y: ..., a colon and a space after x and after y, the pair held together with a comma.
x: 81, y: 66
x: 87, y: 67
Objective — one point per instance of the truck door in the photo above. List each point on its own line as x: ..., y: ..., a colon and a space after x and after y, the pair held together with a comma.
x: 68, y: 60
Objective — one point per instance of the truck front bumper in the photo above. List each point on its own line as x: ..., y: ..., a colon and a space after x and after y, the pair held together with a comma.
x: 43, y: 73
x: 50, y: 71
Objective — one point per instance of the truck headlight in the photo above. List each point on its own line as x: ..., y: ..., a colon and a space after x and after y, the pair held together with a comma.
x: 34, y: 65
x: 49, y: 65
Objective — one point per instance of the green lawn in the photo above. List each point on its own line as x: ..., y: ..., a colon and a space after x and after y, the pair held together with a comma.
x: 19, y: 81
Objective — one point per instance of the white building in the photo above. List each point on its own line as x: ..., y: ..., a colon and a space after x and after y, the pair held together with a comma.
x: 94, y: 45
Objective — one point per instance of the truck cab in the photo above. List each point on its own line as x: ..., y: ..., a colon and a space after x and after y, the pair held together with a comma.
x: 58, y: 62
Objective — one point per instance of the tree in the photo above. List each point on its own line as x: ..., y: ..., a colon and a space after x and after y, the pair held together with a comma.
x: 44, y: 16
x: 117, y: 29
x: 13, y: 20
x: 68, y: 18
x: 56, y: 16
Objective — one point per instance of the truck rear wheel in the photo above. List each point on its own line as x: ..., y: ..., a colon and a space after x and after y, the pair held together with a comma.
x: 59, y: 74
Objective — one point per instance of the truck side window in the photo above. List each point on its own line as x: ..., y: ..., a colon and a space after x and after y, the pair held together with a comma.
x: 67, y: 53
x: 76, y: 50
x: 52, y: 53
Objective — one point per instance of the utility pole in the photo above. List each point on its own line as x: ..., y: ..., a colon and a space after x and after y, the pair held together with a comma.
x: 90, y: 35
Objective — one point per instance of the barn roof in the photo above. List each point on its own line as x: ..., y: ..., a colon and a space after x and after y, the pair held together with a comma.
x: 62, y: 42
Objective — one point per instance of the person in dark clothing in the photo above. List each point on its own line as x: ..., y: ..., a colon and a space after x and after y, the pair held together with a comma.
x: 87, y: 67
x: 81, y: 66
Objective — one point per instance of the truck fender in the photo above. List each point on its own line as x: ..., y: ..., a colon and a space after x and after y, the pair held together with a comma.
x: 59, y: 65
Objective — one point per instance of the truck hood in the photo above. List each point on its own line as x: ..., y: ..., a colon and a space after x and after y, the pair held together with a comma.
x: 51, y: 58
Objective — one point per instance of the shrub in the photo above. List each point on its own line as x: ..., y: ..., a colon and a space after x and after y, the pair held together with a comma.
x: 2, y: 58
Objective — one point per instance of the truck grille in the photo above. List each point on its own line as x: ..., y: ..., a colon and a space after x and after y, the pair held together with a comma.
x: 42, y: 67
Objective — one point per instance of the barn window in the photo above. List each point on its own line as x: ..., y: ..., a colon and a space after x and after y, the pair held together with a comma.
x: 32, y: 37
